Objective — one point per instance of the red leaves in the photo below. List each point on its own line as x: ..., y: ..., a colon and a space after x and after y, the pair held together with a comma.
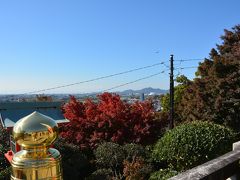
x: 110, y: 119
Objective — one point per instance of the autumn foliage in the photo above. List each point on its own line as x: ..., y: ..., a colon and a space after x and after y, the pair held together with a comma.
x: 137, y: 169
x: 214, y: 95
x: 110, y: 119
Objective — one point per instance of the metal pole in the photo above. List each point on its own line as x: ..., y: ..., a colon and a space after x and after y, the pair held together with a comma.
x: 171, y: 114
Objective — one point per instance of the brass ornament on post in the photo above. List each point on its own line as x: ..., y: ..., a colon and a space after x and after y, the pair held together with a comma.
x: 35, y: 133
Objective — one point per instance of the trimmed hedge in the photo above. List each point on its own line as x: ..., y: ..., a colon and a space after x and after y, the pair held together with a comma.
x: 192, y: 144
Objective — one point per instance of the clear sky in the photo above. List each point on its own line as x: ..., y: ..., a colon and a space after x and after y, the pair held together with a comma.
x: 47, y: 43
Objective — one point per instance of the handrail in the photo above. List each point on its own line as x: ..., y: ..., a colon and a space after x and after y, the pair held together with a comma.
x: 220, y: 168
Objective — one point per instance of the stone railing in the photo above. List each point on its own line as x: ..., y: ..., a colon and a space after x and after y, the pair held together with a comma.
x: 221, y: 168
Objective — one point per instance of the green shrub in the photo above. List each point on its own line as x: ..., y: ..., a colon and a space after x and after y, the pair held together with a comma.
x: 4, y: 147
x: 163, y: 174
x: 3, y: 161
x: 5, y: 174
x: 101, y: 174
x: 192, y: 144
x: 109, y: 155
x: 75, y: 163
x: 134, y: 150
x: 4, y: 137
x: 129, y: 160
x: 137, y: 169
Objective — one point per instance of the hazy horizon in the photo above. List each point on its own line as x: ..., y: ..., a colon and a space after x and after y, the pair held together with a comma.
x: 134, y: 89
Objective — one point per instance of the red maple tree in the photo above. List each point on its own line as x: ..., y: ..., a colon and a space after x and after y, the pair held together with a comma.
x: 110, y: 119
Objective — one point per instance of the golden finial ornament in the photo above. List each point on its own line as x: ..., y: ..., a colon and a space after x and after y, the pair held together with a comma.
x: 35, y: 133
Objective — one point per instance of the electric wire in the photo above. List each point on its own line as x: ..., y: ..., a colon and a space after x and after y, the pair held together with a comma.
x: 140, y: 79
x: 117, y: 74
x: 190, y: 67
x: 131, y: 82
x: 124, y: 84
x: 183, y: 60
x: 96, y: 79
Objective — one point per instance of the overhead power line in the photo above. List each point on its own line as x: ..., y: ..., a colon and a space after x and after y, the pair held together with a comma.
x: 146, y: 77
x: 96, y: 79
x: 182, y: 60
x: 131, y: 82
x: 112, y: 75
x: 190, y: 67
x: 124, y: 84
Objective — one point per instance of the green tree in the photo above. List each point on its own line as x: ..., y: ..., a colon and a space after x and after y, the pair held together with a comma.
x: 183, y: 83
x: 117, y: 161
x: 214, y: 95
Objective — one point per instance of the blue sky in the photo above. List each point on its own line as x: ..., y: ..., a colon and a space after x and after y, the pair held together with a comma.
x: 49, y: 43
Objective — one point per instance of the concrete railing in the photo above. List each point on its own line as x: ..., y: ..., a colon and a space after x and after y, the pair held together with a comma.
x: 221, y: 168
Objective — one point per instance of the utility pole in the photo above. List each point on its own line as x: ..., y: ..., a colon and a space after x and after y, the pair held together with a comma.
x: 171, y: 114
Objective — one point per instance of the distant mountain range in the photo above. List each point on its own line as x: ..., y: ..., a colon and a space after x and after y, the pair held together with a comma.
x: 144, y: 90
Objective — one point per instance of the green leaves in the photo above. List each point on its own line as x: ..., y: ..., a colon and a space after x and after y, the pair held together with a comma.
x: 192, y: 144
x: 163, y: 174
x: 183, y: 83
x: 109, y: 155
x: 123, y: 160
x: 6, y: 173
x: 214, y: 94
x: 4, y: 147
